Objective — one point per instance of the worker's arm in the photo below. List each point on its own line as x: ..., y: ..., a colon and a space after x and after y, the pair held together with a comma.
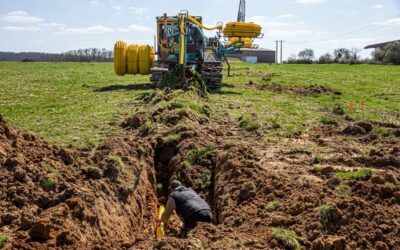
x: 169, y: 209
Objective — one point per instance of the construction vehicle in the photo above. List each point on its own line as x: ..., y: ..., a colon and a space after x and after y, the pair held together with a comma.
x: 183, y: 51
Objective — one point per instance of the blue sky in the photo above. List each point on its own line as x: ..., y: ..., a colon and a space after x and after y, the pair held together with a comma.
x: 61, y: 25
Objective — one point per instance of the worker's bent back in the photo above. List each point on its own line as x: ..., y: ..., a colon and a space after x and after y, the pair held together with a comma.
x: 188, y: 202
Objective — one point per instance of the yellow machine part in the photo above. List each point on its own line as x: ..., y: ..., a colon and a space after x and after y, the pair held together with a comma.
x: 160, y: 233
x: 133, y: 59
x: 152, y: 55
x: 120, y: 50
x: 241, y: 29
x: 193, y: 20
x: 248, y: 42
x: 145, y: 59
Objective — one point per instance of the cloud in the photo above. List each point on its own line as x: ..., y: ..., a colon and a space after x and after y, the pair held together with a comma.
x: 286, y: 15
x: 263, y: 21
x: 20, y: 16
x: 377, y: 6
x: 139, y: 10
x: 117, y: 7
x: 309, y: 1
x: 23, y: 28
x: 137, y: 28
x: 97, y: 29
x: 388, y: 22
x: 94, y: 3
x: 359, y: 40
x: 288, y: 33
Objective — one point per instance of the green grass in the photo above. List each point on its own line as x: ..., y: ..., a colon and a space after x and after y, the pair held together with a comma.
x: 362, y: 174
x: 326, y: 212
x: 84, y: 103
x: 3, y: 240
x: 249, y: 123
x: 119, y: 161
x: 250, y: 186
x: 343, y: 190
x: 287, y: 238
x: 78, y: 103
x: 197, y: 154
x: 48, y: 182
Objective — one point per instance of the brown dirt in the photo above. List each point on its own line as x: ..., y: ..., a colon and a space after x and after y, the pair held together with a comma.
x: 309, y: 90
x: 94, y: 202
x: 106, y: 198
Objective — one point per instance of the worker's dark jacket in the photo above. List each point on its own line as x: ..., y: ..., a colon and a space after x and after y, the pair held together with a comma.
x: 188, y: 202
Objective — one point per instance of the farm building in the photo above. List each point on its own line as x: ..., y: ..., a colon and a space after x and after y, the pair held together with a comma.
x: 380, y: 45
x: 256, y: 55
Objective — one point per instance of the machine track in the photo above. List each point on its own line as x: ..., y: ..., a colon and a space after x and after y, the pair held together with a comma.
x: 211, y: 70
x: 158, y: 72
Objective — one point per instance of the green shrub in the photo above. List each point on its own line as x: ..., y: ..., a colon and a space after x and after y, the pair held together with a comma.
x: 287, y: 238
x: 3, y: 240
x: 249, y: 123
x: 362, y: 174
x: 272, y: 206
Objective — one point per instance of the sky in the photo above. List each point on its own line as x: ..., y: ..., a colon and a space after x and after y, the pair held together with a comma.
x: 323, y: 25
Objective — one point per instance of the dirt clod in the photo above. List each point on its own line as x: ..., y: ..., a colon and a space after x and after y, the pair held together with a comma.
x: 354, y: 130
x: 40, y: 231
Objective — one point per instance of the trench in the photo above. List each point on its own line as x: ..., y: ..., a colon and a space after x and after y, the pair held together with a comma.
x: 166, y: 172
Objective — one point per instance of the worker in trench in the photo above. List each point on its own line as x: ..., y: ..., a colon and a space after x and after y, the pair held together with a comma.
x: 188, y: 205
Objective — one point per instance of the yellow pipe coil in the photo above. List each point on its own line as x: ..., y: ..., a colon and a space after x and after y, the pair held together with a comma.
x: 144, y: 59
x: 160, y: 233
x: 120, y: 50
x: 247, y: 42
x: 240, y: 29
x: 133, y: 59
x: 193, y: 20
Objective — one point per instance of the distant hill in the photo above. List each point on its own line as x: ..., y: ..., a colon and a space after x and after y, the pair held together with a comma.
x: 81, y: 55
x: 36, y: 56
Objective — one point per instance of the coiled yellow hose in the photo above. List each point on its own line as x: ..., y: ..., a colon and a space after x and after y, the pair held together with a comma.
x: 120, y: 50
x: 133, y: 59
x: 240, y: 29
x: 144, y: 59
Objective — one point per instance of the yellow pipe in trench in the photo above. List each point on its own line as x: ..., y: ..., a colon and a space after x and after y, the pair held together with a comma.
x: 160, y: 233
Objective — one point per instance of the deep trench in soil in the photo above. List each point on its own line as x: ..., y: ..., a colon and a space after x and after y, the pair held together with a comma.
x: 162, y: 158
x: 165, y: 173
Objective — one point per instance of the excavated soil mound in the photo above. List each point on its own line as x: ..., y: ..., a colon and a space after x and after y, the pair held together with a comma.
x: 51, y: 197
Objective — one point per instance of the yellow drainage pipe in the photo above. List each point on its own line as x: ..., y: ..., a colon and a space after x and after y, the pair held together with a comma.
x: 160, y: 233
x: 193, y: 20
x: 182, y: 54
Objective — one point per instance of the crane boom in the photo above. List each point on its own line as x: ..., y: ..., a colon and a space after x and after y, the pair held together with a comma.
x: 242, y: 11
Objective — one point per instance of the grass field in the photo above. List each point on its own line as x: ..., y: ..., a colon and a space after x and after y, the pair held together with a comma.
x: 83, y: 103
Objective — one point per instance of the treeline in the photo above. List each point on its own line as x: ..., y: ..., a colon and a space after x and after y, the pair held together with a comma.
x: 80, y: 55
x: 390, y: 54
